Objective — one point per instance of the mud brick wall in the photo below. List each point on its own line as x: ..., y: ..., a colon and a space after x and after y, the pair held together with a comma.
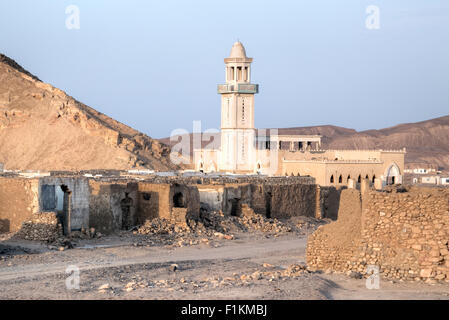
x: 406, y: 234
x: 293, y: 200
x: 191, y: 199
x: 153, y: 201
x: 18, y: 202
x: 333, y: 246
x: 105, y: 210
x: 328, y: 199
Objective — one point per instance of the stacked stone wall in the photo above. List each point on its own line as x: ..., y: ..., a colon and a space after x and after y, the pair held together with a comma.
x: 404, y: 232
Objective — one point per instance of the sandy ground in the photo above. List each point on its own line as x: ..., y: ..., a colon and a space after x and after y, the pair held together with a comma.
x: 29, y: 270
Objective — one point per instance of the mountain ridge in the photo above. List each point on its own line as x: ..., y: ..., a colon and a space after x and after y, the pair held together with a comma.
x: 43, y: 128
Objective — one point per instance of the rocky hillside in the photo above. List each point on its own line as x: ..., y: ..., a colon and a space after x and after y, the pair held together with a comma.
x: 42, y: 128
x: 426, y: 141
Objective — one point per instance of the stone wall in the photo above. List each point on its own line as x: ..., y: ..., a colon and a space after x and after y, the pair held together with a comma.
x: 153, y: 201
x: 328, y: 202
x: 405, y: 232
x: 273, y: 200
x: 105, y: 205
x: 18, y: 202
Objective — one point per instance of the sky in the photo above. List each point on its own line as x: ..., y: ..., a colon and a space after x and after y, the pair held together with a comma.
x: 155, y: 65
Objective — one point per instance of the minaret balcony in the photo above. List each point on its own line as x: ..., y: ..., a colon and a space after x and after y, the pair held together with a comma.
x: 238, y: 88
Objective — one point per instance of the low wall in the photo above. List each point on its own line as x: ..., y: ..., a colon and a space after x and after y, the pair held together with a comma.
x: 271, y: 199
x: 403, y: 232
x: 18, y: 202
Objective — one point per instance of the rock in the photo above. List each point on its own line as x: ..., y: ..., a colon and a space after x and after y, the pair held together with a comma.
x: 267, y: 265
x: 425, y: 273
x: 174, y: 267
x: 104, y: 286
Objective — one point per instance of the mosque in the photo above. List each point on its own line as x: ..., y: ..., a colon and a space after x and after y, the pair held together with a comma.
x: 243, y: 149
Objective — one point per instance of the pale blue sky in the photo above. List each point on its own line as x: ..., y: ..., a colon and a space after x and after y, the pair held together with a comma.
x: 154, y: 65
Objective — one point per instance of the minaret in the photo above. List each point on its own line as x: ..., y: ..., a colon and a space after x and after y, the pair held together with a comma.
x: 237, y: 113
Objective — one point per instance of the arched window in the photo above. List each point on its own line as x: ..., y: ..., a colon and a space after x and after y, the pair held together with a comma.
x: 367, y: 177
x: 340, y: 179
x: 374, y: 178
x: 332, y: 178
x: 349, y: 177
x: 359, y: 179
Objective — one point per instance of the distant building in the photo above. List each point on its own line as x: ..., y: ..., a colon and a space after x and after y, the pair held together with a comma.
x: 245, y: 150
x: 420, y: 168
x: 430, y: 180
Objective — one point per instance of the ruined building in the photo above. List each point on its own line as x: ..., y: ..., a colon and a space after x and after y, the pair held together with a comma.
x: 245, y: 150
x: 110, y: 201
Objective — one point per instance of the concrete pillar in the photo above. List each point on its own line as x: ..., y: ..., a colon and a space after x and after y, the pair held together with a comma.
x: 364, y: 186
x: 67, y: 209
x: 292, y: 146
x: 351, y: 183
x: 378, y: 184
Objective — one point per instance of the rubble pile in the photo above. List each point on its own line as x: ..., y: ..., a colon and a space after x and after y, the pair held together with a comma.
x: 161, y: 226
x: 216, y: 225
x: 43, y: 227
x: 268, y: 273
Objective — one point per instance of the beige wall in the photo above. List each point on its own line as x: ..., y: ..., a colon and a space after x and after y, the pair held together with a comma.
x: 18, y: 202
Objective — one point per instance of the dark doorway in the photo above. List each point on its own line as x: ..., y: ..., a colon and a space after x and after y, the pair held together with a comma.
x: 178, y: 200
x: 268, y: 200
x: 126, y: 205
x: 234, y: 206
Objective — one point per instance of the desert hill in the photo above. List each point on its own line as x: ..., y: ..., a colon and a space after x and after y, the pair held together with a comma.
x: 42, y: 128
x: 426, y: 141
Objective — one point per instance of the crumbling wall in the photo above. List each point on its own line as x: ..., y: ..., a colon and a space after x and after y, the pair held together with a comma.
x: 271, y: 199
x: 79, y: 187
x: 18, y: 202
x: 403, y: 232
x: 328, y: 199
x: 106, y: 205
x: 153, y: 201
x: 211, y: 196
x: 293, y: 200
x: 190, y: 200
x: 333, y: 245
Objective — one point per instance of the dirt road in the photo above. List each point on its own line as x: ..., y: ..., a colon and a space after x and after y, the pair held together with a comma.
x: 249, y: 267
